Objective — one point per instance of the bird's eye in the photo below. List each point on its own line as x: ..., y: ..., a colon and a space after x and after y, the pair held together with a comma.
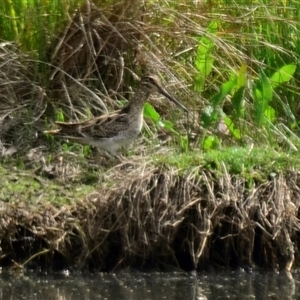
x: 149, y: 82
x: 152, y: 81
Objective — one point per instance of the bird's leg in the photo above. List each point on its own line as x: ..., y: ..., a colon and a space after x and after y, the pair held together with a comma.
x: 118, y: 157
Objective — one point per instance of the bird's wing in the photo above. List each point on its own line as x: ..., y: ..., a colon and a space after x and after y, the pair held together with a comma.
x: 100, y: 127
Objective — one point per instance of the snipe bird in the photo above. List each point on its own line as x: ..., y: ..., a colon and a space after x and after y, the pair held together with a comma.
x: 112, y: 131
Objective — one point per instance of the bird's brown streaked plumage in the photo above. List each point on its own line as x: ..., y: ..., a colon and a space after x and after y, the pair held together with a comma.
x: 112, y: 131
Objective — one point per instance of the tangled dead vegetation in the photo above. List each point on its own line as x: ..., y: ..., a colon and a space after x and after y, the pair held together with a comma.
x: 99, y: 48
x: 22, y: 100
x: 92, y: 64
x: 156, y: 218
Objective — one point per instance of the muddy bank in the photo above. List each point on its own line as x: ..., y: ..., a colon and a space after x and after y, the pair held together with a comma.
x: 145, y: 217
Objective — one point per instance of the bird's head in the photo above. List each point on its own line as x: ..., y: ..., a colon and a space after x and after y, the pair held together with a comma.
x: 152, y: 84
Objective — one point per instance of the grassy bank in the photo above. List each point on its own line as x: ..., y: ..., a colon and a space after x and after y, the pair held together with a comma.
x: 218, y: 187
x: 191, y: 212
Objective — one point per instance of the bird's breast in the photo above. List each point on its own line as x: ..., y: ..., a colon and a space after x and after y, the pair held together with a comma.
x: 136, y: 124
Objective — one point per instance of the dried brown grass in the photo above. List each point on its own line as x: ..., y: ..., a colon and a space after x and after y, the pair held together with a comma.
x: 99, y: 47
x: 22, y: 100
x: 95, y: 61
x: 148, y: 217
x: 108, y: 47
x: 193, y: 220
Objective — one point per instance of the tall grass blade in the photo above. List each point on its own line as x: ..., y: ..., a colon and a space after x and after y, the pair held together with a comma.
x: 13, y: 17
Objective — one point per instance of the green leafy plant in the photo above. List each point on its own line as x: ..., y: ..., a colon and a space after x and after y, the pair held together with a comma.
x: 262, y: 113
x: 204, y: 57
x: 59, y: 116
x: 151, y: 113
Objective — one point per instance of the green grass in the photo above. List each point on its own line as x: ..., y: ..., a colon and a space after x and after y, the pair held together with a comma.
x: 20, y: 185
x: 256, y: 162
x: 245, y: 61
x: 33, y: 24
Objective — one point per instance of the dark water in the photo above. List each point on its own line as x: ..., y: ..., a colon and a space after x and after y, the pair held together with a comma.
x: 136, y: 286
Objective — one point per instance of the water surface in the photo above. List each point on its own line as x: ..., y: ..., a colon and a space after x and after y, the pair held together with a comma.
x: 213, y: 285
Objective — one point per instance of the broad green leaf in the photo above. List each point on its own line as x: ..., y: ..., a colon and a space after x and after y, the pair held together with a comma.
x: 169, y: 125
x: 204, y: 59
x: 270, y: 114
x: 150, y: 112
x: 160, y: 123
x: 199, y: 81
x: 208, y: 116
x: 232, y: 129
x: 65, y: 147
x: 263, y: 94
x: 267, y: 90
x: 224, y: 91
x: 86, y: 150
x: 210, y: 142
x: 284, y: 74
x: 237, y: 101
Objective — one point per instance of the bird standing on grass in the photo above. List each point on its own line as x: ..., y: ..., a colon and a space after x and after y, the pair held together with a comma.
x: 112, y: 131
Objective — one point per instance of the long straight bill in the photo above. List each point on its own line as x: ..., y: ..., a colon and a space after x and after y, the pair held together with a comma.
x: 179, y: 104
